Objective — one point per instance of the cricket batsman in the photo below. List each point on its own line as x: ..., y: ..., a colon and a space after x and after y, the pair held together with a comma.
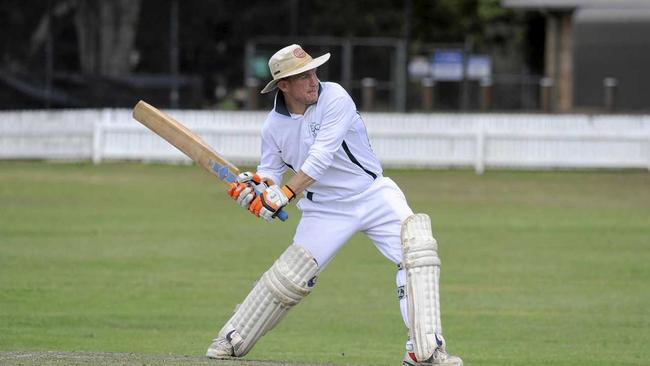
x: 315, y: 130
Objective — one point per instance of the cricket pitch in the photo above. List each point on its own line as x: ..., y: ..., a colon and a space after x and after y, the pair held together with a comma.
x: 26, y: 358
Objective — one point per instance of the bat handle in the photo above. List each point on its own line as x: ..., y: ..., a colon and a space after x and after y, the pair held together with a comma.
x: 283, y: 216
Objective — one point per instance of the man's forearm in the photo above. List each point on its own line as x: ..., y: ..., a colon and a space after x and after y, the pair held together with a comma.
x: 299, y: 182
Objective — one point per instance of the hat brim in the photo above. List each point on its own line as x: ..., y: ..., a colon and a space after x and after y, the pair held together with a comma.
x: 311, y: 65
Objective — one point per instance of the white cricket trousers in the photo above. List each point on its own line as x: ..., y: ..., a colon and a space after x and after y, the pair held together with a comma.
x: 378, y: 212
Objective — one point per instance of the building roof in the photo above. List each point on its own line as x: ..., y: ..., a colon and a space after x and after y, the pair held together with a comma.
x: 573, y: 4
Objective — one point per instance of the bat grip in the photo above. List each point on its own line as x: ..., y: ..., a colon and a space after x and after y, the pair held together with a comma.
x: 283, y: 216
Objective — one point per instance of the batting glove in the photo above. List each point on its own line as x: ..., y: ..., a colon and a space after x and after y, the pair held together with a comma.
x: 271, y: 201
x: 244, y: 190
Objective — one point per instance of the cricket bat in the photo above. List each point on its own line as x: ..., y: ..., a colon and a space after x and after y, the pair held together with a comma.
x: 189, y: 144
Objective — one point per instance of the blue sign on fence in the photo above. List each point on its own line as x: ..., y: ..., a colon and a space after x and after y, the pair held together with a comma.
x: 479, y: 67
x: 447, y: 65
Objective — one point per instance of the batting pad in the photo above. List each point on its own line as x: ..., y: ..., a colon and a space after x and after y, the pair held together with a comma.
x: 422, y: 265
x: 279, y: 289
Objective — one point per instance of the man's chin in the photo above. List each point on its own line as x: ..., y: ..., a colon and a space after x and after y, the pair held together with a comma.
x: 312, y: 100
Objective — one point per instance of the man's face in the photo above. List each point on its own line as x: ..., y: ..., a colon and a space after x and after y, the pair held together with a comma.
x: 303, y: 88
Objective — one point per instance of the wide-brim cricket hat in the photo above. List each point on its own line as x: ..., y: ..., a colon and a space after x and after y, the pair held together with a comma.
x: 291, y: 60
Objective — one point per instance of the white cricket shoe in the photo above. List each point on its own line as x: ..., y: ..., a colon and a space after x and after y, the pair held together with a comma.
x: 220, y: 348
x: 439, y: 357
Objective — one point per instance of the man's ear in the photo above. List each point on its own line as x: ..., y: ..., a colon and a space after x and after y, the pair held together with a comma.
x: 282, y: 85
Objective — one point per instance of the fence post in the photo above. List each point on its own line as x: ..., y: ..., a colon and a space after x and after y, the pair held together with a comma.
x: 546, y: 94
x: 610, y: 86
x: 252, y: 93
x: 479, y: 163
x: 98, y: 132
x: 648, y: 136
x: 368, y: 86
x: 486, y: 94
x: 427, y: 91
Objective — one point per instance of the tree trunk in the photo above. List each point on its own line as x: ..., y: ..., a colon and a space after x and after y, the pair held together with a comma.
x: 86, y: 21
x: 106, y: 31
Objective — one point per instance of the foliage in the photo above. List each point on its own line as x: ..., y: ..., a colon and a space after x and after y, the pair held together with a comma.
x: 213, y: 33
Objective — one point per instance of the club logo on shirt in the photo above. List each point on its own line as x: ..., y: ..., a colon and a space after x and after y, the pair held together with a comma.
x: 314, y: 127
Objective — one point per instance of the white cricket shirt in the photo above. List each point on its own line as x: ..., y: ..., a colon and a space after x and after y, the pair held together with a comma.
x: 329, y: 143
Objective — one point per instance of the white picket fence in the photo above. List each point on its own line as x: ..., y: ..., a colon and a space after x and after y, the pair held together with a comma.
x: 481, y: 141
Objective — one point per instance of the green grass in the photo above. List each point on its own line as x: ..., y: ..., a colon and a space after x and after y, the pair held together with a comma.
x: 539, y: 268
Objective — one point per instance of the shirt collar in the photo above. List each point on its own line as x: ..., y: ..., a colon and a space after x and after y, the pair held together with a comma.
x: 281, y: 105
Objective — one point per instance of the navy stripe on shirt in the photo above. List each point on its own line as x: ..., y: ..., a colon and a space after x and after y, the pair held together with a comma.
x: 355, y: 161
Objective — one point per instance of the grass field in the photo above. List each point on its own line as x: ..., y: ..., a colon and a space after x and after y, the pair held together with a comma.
x: 539, y: 268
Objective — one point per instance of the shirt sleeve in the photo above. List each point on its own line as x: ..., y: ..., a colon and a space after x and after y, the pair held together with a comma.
x: 339, y: 115
x: 271, y: 164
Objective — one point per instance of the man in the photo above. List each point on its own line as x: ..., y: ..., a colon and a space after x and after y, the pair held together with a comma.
x: 315, y: 130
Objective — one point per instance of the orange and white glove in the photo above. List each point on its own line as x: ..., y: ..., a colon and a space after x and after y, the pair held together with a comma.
x: 271, y: 201
x: 244, y: 190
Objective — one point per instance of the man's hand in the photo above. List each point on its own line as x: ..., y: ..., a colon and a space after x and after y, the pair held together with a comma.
x: 244, y: 190
x: 271, y: 201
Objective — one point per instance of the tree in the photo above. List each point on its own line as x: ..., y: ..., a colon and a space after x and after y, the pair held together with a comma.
x: 105, y: 30
x: 106, y: 33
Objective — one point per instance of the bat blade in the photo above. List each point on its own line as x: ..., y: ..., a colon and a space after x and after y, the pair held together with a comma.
x: 188, y: 143
x: 185, y: 140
